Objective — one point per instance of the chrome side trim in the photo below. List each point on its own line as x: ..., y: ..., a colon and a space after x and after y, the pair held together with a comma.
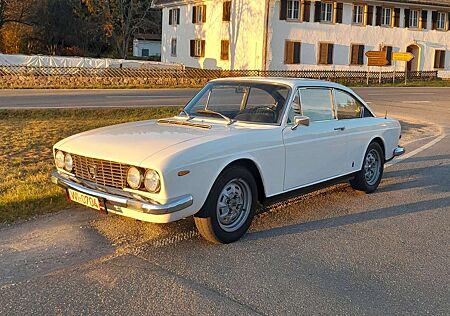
x: 399, y: 151
x: 126, y: 200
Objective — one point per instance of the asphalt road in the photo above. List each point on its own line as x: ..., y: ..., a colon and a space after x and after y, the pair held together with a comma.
x: 336, y: 251
x: 28, y: 99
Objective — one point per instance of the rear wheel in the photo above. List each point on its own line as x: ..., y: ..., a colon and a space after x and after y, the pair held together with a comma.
x: 369, y: 177
x: 230, y: 206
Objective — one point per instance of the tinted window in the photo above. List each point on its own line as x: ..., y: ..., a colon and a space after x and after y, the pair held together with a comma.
x: 316, y: 104
x: 347, y: 107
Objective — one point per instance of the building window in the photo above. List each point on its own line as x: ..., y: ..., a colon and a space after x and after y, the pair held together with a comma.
x: 197, y: 48
x: 414, y: 19
x: 388, y: 50
x: 173, y: 47
x: 174, y: 16
x: 326, y: 13
x: 326, y: 54
x: 226, y: 16
x: 145, y: 52
x: 199, y: 14
x: 386, y: 17
x: 293, y: 10
x: 441, y: 19
x: 358, y: 14
x: 357, y: 55
x: 439, y: 59
x: 292, y: 52
x: 225, y: 50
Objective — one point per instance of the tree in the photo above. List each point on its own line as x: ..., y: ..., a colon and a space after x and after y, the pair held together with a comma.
x: 16, y: 11
x: 123, y: 19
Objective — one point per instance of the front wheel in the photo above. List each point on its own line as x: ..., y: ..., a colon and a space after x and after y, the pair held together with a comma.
x: 230, y: 206
x: 369, y: 177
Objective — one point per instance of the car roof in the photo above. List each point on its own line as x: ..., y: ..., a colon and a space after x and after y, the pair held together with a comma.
x: 293, y: 82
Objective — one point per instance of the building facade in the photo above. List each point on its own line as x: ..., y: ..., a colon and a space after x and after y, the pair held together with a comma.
x: 147, y: 45
x: 298, y: 34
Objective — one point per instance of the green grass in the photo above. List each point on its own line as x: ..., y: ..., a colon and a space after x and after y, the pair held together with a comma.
x: 26, y: 140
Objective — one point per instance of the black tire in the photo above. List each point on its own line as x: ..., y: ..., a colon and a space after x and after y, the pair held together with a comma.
x: 361, y: 181
x: 207, y: 220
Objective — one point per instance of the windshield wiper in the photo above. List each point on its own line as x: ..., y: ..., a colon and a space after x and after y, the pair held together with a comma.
x: 188, y: 116
x: 206, y: 111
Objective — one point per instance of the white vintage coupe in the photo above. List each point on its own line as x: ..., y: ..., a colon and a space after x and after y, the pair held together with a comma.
x: 237, y: 143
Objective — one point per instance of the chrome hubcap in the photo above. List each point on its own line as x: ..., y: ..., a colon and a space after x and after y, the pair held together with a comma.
x: 233, y: 205
x: 372, y: 167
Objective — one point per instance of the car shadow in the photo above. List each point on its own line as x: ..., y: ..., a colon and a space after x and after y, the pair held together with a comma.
x: 339, y: 221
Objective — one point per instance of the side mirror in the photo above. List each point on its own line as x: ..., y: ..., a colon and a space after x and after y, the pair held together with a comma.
x: 300, y: 120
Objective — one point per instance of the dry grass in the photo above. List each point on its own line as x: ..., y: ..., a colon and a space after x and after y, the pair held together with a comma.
x: 26, y: 140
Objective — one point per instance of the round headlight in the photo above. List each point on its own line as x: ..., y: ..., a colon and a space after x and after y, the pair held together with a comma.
x: 134, y: 178
x: 68, y: 163
x: 152, y: 181
x: 59, y: 159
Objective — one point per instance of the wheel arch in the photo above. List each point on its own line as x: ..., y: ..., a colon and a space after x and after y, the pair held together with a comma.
x: 250, y: 165
x: 380, y: 142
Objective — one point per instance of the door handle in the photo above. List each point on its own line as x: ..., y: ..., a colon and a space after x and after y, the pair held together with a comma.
x: 340, y: 128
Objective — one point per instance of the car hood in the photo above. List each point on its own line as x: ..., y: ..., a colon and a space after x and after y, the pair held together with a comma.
x: 130, y: 143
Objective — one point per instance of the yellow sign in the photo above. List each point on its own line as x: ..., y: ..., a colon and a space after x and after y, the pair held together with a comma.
x: 376, y: 58
x: 400, y: 56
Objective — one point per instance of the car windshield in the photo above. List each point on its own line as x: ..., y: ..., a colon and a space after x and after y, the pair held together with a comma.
x: 240, y: 101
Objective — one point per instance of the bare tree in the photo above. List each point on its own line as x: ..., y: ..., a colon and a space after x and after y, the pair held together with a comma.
x: 123, y: 19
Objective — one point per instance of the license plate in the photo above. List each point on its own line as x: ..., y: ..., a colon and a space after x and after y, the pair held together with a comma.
x: 84, y: 199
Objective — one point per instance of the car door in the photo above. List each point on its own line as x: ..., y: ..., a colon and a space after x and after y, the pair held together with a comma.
x: 358, y: 129
x: 316, y: 152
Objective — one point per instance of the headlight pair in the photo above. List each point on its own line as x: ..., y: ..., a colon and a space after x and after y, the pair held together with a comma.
x: 150, y: 179
x: 64, y: 161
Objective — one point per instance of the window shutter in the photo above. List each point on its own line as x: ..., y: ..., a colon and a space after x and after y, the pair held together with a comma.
x: 202, y: 54
x: 224, y: 50
x: 378, y: 16
x: 330, y: 54
x: 306, y: 11
x: 170, y: 17
x: 448, y: 22
x: 442, y: 59
x: 407, y: 14
x: 361, y: 55
x: 339, y: 13
x: 389, y: 55
x: 370, y: 15
x: 288, y: 50
x: 323, y: 53
x: 178, y: 16
x: 424, y: 19
x: 192, y: 48
x: 434, y: 15
x: 204, y: 14
x: 194, y: 14
x: 397, y: 17
x: 296, y: 59
x: 354, y: 57
x: 226, y: 11
x: 283, y: 9
x: 317, y: 11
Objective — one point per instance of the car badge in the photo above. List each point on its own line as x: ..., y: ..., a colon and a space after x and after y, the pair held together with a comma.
x: 93, y: 171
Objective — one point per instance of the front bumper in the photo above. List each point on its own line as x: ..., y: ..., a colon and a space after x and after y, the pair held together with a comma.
x: 117, y: 198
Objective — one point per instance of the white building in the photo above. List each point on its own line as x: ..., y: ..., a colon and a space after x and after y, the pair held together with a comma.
x: 147, y: 45
x: 298, y: 34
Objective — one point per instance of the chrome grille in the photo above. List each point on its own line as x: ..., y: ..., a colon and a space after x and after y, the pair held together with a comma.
x: 102, y: 172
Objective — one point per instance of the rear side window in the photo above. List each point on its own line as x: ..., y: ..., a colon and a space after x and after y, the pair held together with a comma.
x: 316, y: 103
x: 347, y: 107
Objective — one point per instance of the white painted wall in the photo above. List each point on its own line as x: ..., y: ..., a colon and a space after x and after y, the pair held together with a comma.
x: 245, y: 34
x: 344, y: 35
x: 154, y: 47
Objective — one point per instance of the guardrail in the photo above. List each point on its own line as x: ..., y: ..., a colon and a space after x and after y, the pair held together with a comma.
x: 26, y: 76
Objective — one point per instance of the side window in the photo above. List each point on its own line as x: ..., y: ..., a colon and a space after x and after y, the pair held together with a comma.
x: 347, y: 107
x: 316, y: 104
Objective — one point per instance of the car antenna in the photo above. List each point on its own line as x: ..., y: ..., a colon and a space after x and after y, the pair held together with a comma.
x: 385, y: 116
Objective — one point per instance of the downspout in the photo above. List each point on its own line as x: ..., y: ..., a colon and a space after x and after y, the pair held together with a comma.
x: 266, y: 36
